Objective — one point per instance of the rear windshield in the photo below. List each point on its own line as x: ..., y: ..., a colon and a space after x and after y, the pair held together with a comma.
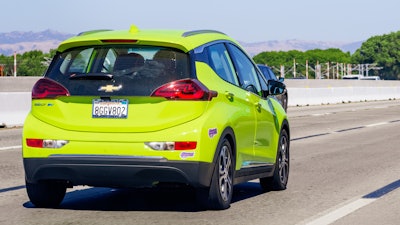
x: 118, y: 70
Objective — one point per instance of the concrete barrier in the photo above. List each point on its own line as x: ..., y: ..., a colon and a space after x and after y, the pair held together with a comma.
x: 15, y: 94
x: 14, y: 106
x: 316, y: 96
x: 315, y: 92
x: 17, y: 84
x: 15, y: 99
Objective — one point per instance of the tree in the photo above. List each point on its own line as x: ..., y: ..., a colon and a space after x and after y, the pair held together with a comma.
x: 384, y: 51
x: 8, y: 65
x: 315, y: 56
x: 31, y: 63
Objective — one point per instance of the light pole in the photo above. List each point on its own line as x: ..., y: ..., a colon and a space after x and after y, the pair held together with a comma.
x: 294, y: 68
x: 15, y: 64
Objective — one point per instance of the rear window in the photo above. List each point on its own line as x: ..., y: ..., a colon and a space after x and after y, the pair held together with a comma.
x: 118, y: 70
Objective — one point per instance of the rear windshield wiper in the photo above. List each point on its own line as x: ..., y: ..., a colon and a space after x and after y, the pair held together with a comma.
x: 91, y: 76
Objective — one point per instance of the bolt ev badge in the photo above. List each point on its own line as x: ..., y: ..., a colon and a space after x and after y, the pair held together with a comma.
x: 110, y: 88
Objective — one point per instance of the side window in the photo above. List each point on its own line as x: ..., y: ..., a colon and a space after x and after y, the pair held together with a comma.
x: 76, y: 62
x: 109, y: 60
x: 247, y: 71
x: 222, y: 63
x: 80, y: 63
x: 263, y: 82
x: 265, y: 72
x: 272, y: 75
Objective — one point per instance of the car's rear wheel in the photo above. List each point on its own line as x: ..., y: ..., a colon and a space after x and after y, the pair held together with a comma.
x: 219, y: 195
x: 281, y: 174
x: 46, y: 194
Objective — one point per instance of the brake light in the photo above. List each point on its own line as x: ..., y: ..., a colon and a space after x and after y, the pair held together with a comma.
x: 46, y: 88
x: 119, y: 41
x: 186, y: 89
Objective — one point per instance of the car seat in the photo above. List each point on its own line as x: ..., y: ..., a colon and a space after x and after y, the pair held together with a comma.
x: 127, y: 64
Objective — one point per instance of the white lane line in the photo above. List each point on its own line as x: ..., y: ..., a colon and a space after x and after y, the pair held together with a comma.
x: 353, y: 206
x: 10, y: 147
x: 321, y: 114
x: 341, y: 212
x: 377, y: 124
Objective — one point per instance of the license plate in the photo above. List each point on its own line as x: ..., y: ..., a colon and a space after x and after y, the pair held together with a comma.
x: 114, y: 108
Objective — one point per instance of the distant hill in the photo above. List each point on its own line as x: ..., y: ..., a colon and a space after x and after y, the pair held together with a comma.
x: 21, y: 42
x: 255, y: 48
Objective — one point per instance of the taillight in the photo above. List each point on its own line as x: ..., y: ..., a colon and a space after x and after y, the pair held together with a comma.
x: 186, y: 89
x: 45, y: 143
x: 170, y: 145
x: 46, y: 88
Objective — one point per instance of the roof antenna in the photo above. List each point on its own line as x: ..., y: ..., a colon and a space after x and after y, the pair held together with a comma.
x: 133, y: 29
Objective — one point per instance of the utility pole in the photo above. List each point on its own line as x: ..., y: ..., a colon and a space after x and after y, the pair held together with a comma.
x: 337, y: 70
x: 327, y: 74
x: 283, y: 71
x: 318, y: 71
x: 349, y: 69
x: 307, y: 69
x: 294, y: 68
x: 15, y: 64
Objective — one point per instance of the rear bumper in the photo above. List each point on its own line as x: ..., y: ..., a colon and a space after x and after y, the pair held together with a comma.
x: 110, y: 171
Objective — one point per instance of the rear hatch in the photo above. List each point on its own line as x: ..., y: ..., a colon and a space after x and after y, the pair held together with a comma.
x: 143, y: 114
x: 118, y: 88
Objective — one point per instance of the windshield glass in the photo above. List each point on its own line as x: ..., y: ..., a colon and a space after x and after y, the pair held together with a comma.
x: 118, y: 70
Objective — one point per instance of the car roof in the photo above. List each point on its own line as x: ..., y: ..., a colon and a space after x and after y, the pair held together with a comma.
x: 183, y: 40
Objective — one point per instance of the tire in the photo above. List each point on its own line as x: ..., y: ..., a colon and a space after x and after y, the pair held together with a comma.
x: 219, y: 195
x: 281, y: 173
x: 47, y: 194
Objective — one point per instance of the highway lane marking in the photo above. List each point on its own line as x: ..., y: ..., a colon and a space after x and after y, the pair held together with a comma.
x: 377, y: 124
x: 341, y: 212
x: 10, y: 147
x: 346, y: 129
x: 322, y: 114
x: 12, y: 188
x: 355, y: 205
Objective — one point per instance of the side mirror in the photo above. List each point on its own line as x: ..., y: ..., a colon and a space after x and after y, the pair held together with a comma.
x: 281, y: 79
x: 276, y: 87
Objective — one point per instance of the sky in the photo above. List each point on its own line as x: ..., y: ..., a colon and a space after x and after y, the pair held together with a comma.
x: 245, y: 20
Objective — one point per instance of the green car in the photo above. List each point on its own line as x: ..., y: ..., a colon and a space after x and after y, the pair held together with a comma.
x: 145, y: 108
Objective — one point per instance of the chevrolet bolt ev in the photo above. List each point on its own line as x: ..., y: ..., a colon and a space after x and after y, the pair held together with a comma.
x: 143, y: 108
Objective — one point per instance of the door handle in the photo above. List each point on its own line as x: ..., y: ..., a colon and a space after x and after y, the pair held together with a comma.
x: 229, y: 96
x: 258, y: 106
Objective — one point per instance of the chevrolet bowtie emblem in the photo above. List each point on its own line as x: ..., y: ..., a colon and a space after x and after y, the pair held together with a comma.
x: 110, y: 88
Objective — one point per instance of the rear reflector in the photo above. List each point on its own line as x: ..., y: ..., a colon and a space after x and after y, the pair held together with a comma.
x: 46, y: 88
x: 35, y: 143
x: 188, y: 145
